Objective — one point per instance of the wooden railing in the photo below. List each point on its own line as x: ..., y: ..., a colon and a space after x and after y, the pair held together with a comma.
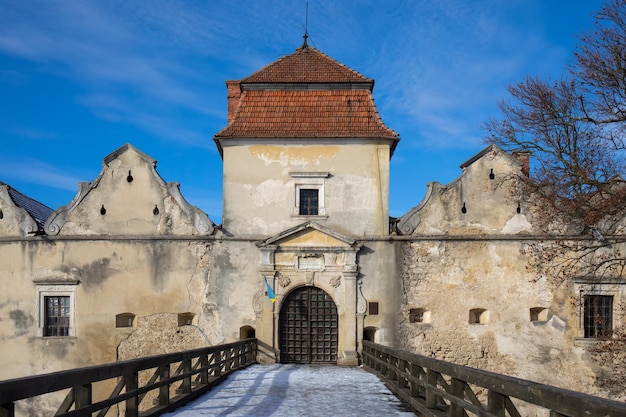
x: 170, y: 380
x: 437, y: 388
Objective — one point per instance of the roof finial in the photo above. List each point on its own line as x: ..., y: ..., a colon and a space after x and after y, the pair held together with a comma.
x: 306, y: 26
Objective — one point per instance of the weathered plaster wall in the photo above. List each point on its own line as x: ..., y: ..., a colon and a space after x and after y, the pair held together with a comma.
x: 234, y: 282
x: 140, y: 277
x: 470, y: 278
x: 259, y: 192
x: 380, y: 283
x: 128, y: 198
x: 448, y: 279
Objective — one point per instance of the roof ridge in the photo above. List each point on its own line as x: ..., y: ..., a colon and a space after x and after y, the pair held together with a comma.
x: 336, y: 62
x: 307, y: 65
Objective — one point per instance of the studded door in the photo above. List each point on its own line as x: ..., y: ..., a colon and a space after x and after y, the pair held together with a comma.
x: 308, y: 327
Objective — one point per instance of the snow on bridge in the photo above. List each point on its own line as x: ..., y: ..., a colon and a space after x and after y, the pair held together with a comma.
x: 297, y: 390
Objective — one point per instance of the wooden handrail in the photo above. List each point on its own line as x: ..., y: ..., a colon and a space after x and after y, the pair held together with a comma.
x: 212, y: 365
x: 437, y: 388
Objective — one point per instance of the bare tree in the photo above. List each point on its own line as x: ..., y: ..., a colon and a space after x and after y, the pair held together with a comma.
x: 575, y: 129
x: 576, y: 170
x: 600, y: 66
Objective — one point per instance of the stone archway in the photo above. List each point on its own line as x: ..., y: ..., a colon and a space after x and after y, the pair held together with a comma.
x: 308, y: 327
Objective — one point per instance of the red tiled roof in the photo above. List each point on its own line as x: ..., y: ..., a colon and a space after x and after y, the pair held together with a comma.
x: 306, y: 113
x: 303, y: 95
x: 306, y: 65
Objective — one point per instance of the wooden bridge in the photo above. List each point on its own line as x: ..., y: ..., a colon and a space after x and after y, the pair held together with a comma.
x: 155, y: 385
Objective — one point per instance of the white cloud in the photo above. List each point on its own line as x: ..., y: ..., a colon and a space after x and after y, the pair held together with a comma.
x: 35, y: 171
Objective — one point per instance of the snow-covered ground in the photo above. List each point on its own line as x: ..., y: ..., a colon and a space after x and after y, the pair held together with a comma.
x: 297, y: 390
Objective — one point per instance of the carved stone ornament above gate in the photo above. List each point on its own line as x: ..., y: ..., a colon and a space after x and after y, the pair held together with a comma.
x: 309, y: 277
x: 335, y: 281
x: 361, y: 304
x: 257, y: 300
x: 310, y: 262
x: 283, y: 280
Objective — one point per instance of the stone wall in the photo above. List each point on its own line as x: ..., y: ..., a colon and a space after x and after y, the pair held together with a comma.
x: 451, y: 282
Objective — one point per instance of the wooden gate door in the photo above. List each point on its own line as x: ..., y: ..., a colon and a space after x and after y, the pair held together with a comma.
x: 308, y: 327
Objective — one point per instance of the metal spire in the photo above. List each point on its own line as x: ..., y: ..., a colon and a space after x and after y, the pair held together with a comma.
x: 306, y: 27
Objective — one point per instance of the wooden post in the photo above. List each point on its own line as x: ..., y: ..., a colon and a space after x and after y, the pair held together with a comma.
x: 415, y: 387
x: 217, y: 366
x: 402, y: 380
x: 164, y: 391
x: 204, y: 363
x: 228, y: 361
x: 132, y: 403
x: 82, y: 396
x: 185, y: 386
x: 496, y: 403
x: 431, y: 396
x: 255, y: 350
x: 457, y: 389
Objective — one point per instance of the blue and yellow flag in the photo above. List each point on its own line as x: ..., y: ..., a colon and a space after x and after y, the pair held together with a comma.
x: 270, y: 292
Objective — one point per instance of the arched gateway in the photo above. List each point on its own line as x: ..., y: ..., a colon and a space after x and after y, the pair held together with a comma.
x: 308, y: 327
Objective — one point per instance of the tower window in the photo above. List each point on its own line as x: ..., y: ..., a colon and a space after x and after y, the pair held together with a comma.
x: 309, y: 193
x: 309, y: 202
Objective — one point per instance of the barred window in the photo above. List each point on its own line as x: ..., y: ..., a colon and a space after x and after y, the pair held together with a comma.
x: 57, y: 316
x: 309, y: 202
x: 598, y: 315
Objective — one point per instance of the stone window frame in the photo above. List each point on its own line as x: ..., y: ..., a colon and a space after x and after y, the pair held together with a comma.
x: 310, y: 181
x: 610, y: 316
x: 586, y: 288
x: 55, y: 290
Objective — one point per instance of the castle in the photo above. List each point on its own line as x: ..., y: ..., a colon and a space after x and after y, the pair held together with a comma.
x: 306, y: 259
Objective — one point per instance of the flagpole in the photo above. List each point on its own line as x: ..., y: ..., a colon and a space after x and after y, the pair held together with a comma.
x: 274, y: 325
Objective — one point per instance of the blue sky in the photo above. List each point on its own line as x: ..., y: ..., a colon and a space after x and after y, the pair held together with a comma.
x: 78, y: 79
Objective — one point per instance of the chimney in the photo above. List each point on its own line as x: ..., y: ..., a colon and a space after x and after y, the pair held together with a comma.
x: 234, y: 94
x: 524, y: 158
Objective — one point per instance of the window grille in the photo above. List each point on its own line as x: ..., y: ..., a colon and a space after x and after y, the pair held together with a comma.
x: 57, y: 316
x: 598, y: 315
x: 309, y: 202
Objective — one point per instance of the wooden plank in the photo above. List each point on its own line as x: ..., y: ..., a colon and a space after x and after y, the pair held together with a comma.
x: 512, y: 410
x: 469, y: 393
x: 81, y: 394
x: 560, y: 400
x: 66, y: 404
x: 118, y: 388
x: 20, y: 388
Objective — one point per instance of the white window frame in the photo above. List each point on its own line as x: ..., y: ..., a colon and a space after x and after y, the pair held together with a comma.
x: 309, y: 181
x: 55, y: 290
